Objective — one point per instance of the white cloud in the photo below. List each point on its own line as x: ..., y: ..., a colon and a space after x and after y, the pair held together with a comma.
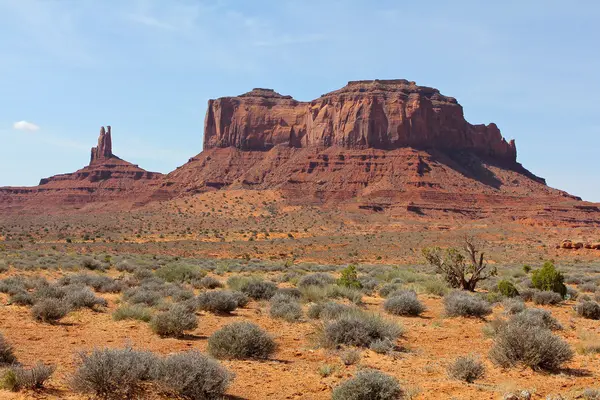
x: 25, y: 126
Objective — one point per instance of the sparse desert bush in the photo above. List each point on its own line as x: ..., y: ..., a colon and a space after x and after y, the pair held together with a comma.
x: 23, y: 298
x: 507, y: 289
x: 316, y: 279
x: 192, y: 375
x: 136, y: 312
x: 382, y: 346
x: 537, y: 317
x: 548, y: 278
x: 434, y: 286
x: 527, y: 294
x: 7, y: 355
x: 125, y: 266
x: 259, y: 289
x: 513, y: 306
x: 142, y: 295
x: 286, y: 308
x: 591, y: 394
x: 572, y: 293
x: 113, y: 373
x: 368, y: 284
x: 209, y: 282
x: 350, y: 356
x: 368, y: 385
x: 174, y: 321
x: 460, y: 268
x: 289, y: 292
x: 50, y: 310
x: 588, y: 287
x: 218, y: 302
x: 18, y: 377
x: 588, y: 309
x: 388, y: 288
x: 79, y: 297
x: 465, y: 305
x: 3, y: 266
x: 100, y: 283
x: 467, y: 368
x: 328, y: 310
x: 180, y: 273
x: 547, y: 298
x: 240, y: 298
x: 404, y: 303
x: 241, y: 340
x: 93, y: 264
x: 358, y: 329
x: 326, y: 370
x: 519, y: 342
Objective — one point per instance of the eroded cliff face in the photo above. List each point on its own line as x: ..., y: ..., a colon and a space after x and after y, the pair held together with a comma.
x: 379, y: 114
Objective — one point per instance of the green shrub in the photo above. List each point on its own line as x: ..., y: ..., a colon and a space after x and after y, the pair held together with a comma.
x: 404, y: 303
x: 549, y: 279
x: 135, y: 312
x: 192, y: 375
x: 349, y: 277
x: 358, y: 329
x: 368, y: 385
x: 526, y: 268
x: 241, y: 340
x: 173, y: 322
x: 507, y: 289
x: 467, y: 369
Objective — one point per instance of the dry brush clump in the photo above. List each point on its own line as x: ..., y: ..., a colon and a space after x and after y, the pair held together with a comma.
x: 18, y: 377
x: 588, y: 309
x: 241, y: 340
x: 404, y: 302
x: 174, y: 321
x: 217, y: 302
x: 462, y: 304
x: 359, y: 329
x: 286, y: 307
x: 328, y: 310
x: 7, y: 355
x: 547, y: 298
x: 466, y: 368
x: 132, y: 312
x: 368, y: 384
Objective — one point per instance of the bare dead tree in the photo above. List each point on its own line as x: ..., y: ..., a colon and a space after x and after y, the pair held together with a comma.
x: 461, y: 268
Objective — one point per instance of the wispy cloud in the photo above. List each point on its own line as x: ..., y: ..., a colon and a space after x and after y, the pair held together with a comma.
x: 152, y: 22
x: 286, y: 40
x: 26, y: 126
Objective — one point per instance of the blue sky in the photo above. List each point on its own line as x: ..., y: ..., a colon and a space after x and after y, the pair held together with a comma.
x: 148, y: 68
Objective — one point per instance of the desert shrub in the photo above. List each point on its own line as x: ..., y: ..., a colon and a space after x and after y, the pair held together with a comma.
x: 388, y: 288
x: 174, y: 321
x: 404, y: 303
x: 142, y: 295
x: 23, y: 298
x: 136, y: 312
x: 222, y: 302
x: 316, y: 279
x: 286, y: 308
x: 591, y: 394
x: 368, y: 384
x: 328, y: 310
x: 349, y: 277
x: 259, y: 290
x: 436, y: 287
x: 12, y: 285
x: 7, y: 355
x: 100, y: 283
x: 461, y: 268
x: 465, y: 305
x: 192, y: 375
x: 358, y: 329
x: 180, y: 273
x: 142, y: 273
x: 350, y: 356
x: 326, y: 370
x: 241, y: 340
x: 588, y: 309
x: 513, y: 306
x: 208, y: 282
x: 79, y: 297
x: 368, y: 284
x: 589, y: 287
x: 382, y: 346
x: 526, y: 268
x: 125, y: 266
x: 467, y: 369
x: 548, y: 278
x: 93, y: 264
x: 50, y: 310
x: 289, y: 292
x: 507, y: 289
x: 527, y: 294
x: 572, y: 293
x: 546, y: 298
x: 18, y: 377
x: 240, y: 298
x: 537, y: 317
x: 113, y: 373
x: 519, y: 342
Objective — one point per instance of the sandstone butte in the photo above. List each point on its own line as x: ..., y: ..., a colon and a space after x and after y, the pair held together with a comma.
x: 378, y: 146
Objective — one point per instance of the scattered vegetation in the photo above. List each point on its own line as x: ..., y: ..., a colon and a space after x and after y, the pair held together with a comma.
x: 174, y: 322
x: 368, y: 385
x: 548, y: 278
x: 466, y: 368
x: 241, y: 340
x: 461, y: 304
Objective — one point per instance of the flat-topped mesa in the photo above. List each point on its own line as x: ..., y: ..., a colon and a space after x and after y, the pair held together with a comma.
x: 380, y: 114
x: 103, y: 151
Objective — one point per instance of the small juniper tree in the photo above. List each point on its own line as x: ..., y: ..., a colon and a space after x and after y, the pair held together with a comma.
x: 462, y: 268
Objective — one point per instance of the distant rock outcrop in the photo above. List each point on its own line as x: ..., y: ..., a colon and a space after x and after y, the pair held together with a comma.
x: 103, y: 151
x: 378, y: 114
